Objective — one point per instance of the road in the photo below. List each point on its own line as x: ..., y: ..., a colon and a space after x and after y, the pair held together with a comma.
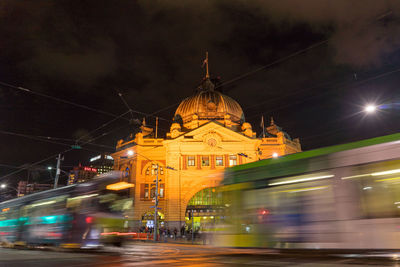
x: 148, y: 254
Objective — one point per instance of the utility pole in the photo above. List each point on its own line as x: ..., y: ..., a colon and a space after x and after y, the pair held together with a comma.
x: 156, y: 206
x: 192, y: 226
x: 57, y: 171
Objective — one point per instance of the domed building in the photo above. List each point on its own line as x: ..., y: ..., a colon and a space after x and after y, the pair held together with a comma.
x: 208, y: 134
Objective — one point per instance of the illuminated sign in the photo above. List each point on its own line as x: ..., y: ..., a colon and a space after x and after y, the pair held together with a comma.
x: 119, y: 186
x: 90, y: 169
x: 95, y: 158
x: 6, y: 209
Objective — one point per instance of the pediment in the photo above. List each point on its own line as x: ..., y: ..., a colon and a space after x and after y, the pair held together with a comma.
x: 209, y: 132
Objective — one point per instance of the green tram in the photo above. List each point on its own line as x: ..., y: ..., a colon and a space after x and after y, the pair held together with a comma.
x: 85, y: 215
x: 340, y: 197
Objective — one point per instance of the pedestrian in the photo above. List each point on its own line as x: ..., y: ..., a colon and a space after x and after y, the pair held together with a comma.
x: 183, y: 231
x: 175, y: 233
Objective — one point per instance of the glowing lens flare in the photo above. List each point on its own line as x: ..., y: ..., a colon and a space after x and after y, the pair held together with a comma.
x: 370, y: 108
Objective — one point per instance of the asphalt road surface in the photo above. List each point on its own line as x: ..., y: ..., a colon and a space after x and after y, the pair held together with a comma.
x: 161, y: 254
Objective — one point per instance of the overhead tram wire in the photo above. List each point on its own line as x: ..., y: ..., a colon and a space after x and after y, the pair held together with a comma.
x: 315, y: 45
x: 29, y: 165
x: 337, y: 86
x: 257, y: 70
x: 125, y: 103
x: 57, y: 99
x: 49, y: 141
x: 23, y: 89
x: 102, y: 126
x: 299, y: 52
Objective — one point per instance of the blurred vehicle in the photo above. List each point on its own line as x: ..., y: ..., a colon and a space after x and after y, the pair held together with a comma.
x: 339, y: 197
x: 84, y: 215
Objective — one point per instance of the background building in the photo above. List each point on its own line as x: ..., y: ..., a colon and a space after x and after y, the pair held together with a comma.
x: 102, y: 163
x: 208, y: 134
x: 80, y: 174
x: 25, y: 189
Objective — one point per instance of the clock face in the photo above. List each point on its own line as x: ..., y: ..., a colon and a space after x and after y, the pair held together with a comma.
x: 212, y: 142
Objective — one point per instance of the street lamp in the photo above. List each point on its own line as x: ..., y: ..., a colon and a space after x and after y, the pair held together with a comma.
x: 2, y: 186
x: 370, y: 108
x: 275, y: 155
x: 130, y: 153
x: 49, y: 168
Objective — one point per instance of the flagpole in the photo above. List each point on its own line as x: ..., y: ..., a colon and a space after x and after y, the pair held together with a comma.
x: 156, y: 126
x: 262, y: 120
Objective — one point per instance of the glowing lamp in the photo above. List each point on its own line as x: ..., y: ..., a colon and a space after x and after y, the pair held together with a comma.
x: 130, y: 152
x: 89, y: 220
x: 370, y: 108
x: 275, y: 155
x: 119, y: 186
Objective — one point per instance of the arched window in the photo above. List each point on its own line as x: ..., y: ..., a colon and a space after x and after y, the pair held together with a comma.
x: 152, y: 170
x: 206, y: 197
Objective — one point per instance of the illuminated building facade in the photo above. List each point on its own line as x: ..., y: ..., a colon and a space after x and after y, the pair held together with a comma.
x: 102, y: 163
x: 80, y: 174
x: 208, y: 134
x: 25, y: 189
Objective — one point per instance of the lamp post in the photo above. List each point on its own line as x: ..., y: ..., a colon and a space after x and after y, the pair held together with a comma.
x: 156, y: 206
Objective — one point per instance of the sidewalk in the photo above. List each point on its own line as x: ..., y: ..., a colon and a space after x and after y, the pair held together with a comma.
x: 178, y: 240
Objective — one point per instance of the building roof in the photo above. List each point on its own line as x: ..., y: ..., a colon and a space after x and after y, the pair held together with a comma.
x: 208, y: 104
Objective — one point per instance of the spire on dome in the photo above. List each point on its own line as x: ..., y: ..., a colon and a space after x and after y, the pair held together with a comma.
x: 272, y: 121
x: 205, y: 62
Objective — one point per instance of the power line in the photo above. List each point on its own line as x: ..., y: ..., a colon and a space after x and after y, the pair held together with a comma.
x: 48, y: 139
x: 56, y: 99
x: 274, y: 63
x: 29, y: 165
x: 102, y: 126
x: 337, y: 86
x: 70, y: 102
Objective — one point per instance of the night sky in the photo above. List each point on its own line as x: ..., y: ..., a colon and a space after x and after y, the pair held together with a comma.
x: 86, y: 52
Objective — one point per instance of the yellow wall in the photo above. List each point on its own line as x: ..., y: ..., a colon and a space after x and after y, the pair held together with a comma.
x: 210, y: 139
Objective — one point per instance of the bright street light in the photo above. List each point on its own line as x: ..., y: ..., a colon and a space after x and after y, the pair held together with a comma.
x: 130, y: 152
x: 275, y: 155
x: 49, y: 168
x: 370, y: 108
x: 3, y: 186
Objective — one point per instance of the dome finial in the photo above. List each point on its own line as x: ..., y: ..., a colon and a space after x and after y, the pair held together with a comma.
x: 205, y: 62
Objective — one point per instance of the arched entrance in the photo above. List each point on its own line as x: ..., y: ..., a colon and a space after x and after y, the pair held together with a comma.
x: 148, y: 219
x: 204, y: 209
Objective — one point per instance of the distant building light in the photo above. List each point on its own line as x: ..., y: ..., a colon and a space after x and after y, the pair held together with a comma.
x: 275, y: 155
x: 130, y: 153
x: 90, y: 169
x: 95, y: 158
x: 109, y: 157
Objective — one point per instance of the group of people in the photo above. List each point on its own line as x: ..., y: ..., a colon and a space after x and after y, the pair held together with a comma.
x: 166, y: 232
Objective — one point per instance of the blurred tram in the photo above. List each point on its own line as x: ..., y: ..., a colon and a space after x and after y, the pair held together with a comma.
x: 85, y: 215
x: 340, y: 197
